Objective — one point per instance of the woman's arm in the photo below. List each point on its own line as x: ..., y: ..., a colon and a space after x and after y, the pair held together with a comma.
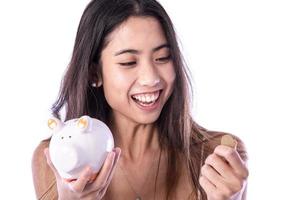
x: 43, y: 177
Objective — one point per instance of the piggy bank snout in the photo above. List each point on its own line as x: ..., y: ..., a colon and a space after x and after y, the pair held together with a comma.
x: 67, y: 158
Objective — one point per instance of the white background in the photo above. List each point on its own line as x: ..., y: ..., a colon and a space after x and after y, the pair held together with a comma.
x: 243, y: 55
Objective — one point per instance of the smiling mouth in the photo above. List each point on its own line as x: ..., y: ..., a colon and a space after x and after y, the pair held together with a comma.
x: 147, y: 99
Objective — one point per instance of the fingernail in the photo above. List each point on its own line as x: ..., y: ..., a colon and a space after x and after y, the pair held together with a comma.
x: 116, y: 150
x: 112, y: 154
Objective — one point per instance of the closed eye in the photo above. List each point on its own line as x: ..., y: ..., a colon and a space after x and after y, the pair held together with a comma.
x: 160, y: 60
x: 128, y: 63
x: 164, y: 59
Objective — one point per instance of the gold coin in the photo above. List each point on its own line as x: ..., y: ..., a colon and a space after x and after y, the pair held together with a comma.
x: 229, y: 141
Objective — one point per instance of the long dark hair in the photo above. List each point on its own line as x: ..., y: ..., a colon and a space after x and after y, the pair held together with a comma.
x: 179, y: 134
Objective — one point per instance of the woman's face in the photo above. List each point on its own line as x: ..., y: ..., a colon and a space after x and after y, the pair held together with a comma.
x: 137, y: 70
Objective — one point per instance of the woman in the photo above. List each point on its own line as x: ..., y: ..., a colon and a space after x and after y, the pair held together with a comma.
x: 127, y: 70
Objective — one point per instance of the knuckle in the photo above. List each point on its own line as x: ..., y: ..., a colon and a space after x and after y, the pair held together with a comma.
x: 227, y: 192
x: 245, y: 174
x: 218, y: 148
x: 237, y: 185
x: 218, y: 195
x: 204, y: 169
x: 210, y: 158
x: 202, y: 180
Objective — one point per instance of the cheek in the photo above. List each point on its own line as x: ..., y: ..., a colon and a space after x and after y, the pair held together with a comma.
x: 116, y: 86
x: 169, y: 74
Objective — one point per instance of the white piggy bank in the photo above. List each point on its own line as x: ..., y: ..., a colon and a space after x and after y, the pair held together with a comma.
x: 77, y: 143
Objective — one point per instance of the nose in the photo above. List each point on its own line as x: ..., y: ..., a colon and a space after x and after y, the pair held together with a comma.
x: 148, y: 75
x: 67, y: 158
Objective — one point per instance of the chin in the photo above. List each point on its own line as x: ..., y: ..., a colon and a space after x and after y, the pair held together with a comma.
x: 146, y: 119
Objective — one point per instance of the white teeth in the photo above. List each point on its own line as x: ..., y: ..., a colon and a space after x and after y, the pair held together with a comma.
x: 152, y: 97
x: 139, y: 98
x: 147, y: 98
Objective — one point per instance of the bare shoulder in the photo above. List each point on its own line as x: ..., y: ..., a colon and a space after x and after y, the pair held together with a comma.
x: 43, y: 177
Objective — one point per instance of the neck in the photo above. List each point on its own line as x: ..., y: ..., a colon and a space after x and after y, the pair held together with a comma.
x: 135, y: 140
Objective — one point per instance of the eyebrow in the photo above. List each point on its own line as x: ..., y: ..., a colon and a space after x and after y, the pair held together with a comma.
x: 134, y: 51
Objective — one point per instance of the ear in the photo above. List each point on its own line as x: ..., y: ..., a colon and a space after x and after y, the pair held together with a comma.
x: 84, y: 123
x: 99, y: 83
x: 54, y: 124
x: 95, y: 76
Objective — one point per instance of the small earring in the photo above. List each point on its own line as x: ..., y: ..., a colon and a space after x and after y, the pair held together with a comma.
x: 98, y: 84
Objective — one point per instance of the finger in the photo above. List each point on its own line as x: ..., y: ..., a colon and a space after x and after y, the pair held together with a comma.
x: 80, y: 183
x: 118, y: 153
x: 208, y: 186
x: 233, y: 158
x: 49, y: 162
x: 220, y: 165
x: 212, y: 175
x: 100, y: 181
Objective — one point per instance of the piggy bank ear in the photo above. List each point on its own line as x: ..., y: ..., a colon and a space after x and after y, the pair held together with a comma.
x: 84, y: 123
x: 54, y: 124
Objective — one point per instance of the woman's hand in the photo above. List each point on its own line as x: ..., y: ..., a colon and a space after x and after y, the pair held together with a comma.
x: 81, y: 188
x: 224, y: 174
